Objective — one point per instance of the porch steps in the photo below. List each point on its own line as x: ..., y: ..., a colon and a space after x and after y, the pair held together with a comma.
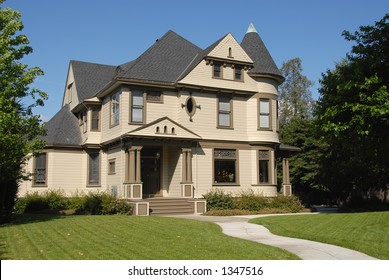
x: 168, y: 206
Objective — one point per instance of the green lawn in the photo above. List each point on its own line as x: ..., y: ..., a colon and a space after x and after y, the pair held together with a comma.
x: 364, y: 232
x: 124, y: 237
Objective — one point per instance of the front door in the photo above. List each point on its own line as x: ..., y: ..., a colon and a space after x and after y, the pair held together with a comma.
x: 151, y: 171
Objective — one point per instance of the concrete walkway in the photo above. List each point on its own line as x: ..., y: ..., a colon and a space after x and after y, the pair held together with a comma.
x: 238, y: 226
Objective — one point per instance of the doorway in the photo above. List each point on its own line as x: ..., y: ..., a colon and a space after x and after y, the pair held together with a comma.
x: 151, y: 171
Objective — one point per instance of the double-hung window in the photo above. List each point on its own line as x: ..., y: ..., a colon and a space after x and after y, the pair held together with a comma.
x: 264, y: 113
x: 225, y: 166
x: 40, y: 172
x: 115, y: 108
x: 225, y: 112
x: 95, y: 124
x: 137, y: 106
x: 238, y: 73
x: 217, y: 70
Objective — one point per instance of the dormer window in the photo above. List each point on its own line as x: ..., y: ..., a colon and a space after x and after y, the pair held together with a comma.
x: 217, y: 70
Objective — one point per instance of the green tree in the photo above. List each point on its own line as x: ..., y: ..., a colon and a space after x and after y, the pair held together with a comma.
x: 305, y: 165
x: 20, y: 129
x: 295, y: 98
x: 353, y: 114
x: 297, y: 128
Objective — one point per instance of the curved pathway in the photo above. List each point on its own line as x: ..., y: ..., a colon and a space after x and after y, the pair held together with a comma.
x: 238, y: 226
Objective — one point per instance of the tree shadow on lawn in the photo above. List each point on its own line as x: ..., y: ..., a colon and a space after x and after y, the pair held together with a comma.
x: 21, y: 219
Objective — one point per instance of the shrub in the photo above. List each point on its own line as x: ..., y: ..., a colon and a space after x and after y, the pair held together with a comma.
x: 92, y: 204
x: 55, y: 200
x: 218, y: 200
x: 103, y: 204
x: 251, y: 201
x: 31, y: 203
x: 288, y: 203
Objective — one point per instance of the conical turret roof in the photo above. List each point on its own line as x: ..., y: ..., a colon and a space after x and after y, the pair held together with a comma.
x: 256, y: 49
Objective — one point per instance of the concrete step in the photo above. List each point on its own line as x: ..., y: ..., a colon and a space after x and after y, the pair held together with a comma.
x: 169, y: 206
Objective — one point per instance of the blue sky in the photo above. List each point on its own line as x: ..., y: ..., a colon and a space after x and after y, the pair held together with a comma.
x: 117, y: 31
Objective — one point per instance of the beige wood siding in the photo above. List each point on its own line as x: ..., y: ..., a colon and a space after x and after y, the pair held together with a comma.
x: 201, y: 76
x: 74, y: 98
x: 174, y: 172
x: 230, y: 49
x: 116, y: 179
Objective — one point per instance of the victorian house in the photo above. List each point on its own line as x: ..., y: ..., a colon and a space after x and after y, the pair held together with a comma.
x: 171, y: 125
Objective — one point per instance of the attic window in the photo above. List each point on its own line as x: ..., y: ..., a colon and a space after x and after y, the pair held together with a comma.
x: 230, y: 52
x: 70, y: 93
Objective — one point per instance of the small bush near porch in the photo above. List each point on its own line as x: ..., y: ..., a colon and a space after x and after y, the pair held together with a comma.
x: 248, y: 203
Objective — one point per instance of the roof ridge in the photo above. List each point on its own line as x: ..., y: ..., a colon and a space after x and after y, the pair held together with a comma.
x: 154, y: 45
x: 86, y: 62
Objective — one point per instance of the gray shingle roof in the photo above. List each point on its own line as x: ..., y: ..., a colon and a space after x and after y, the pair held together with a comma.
x: 199, y: 57
x: 63, y: 129
x: 90, y: 77
x: 263, y: 62
x: 164, y: 61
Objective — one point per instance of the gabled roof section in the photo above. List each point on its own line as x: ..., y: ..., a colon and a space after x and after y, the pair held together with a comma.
x: 90, y: 78
x: 164, y: 128
x: 164, y: 61
x: 229, y: 49
x: 199, y: 57
x: 63, y: 129
x: 256, y: 49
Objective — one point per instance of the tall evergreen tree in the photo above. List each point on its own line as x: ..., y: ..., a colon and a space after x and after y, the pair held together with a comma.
x: 20, y: 129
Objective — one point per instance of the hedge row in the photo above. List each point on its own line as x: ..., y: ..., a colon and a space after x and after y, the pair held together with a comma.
x: 250, y: 201
x: 56, y: 202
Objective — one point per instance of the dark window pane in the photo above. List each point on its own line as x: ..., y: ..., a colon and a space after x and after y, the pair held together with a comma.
x: 94, y: 168
x: 264, y: 171
x: 225, y: 171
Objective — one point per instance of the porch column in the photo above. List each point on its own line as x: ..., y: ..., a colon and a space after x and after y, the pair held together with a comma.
x: 187, y: 184
x: 189, y: 165
x: 138, y: 175
x: 285, y: 171
x: 131, y: 166
x: 133, y: 184
x: 286, y: 186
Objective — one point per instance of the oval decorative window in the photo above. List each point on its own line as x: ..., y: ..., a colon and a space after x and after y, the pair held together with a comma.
x: 190, y: 106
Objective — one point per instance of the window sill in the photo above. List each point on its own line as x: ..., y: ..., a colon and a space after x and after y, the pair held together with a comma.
x: 226, y: 185
x: 113, y: 173
x: 225, y: 127
x: 94, y: 186
x: 39, y: 186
